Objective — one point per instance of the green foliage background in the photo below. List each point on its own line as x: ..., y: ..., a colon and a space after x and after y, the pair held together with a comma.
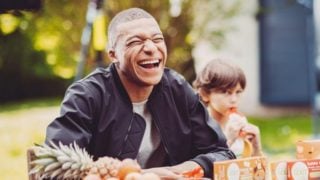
x: 40, y: 51
x: 37, y: 57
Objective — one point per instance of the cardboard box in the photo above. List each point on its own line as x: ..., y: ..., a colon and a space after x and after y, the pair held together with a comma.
x: 279, y: 170
x: 308, y: 149
x: 241, y: 169
x: 304, y: 169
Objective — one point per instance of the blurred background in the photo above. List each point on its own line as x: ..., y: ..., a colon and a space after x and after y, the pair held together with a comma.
x: 46, y: 45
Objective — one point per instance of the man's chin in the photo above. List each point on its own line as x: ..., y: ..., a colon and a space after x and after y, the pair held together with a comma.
x: 151, y: 81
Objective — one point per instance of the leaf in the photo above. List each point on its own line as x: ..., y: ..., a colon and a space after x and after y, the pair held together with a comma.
x: 43, y: 162
x: 52, y: 166
x: 36, y: 169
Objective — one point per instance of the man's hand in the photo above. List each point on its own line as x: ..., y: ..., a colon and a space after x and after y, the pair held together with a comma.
x: 165, y: 173
x: 184, y: 167
x: 173, y: 172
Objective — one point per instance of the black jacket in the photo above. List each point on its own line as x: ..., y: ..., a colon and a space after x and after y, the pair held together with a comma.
x: 97, y: 114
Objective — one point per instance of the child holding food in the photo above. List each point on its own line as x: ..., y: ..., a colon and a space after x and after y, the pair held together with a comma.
x: 220, y: 86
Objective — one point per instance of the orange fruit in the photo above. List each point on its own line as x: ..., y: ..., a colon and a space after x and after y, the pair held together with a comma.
x: 127, y: 169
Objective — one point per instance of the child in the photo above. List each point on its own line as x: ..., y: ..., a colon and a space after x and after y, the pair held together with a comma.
x: 220, y: 86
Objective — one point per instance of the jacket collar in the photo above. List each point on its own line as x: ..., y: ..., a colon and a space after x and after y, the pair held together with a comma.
x: 118, y: 83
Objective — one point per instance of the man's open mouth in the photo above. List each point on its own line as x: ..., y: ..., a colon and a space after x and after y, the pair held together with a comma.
x: 150, y: 63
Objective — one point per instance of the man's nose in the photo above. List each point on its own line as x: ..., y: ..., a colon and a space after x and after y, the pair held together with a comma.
x: 149, y: 46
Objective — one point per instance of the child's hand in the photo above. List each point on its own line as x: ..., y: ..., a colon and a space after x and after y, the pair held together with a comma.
x: 253, y: 135
x: 234, y: 126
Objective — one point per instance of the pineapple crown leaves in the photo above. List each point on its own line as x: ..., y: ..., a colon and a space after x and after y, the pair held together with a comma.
x: 60, y: 161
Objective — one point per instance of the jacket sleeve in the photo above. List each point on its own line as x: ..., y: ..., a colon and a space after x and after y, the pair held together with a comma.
x: 75, y: 122
x: 209, y: 142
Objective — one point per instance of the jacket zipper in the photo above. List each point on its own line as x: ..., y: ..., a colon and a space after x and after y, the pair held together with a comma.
x: 161, y: 136
x: 126, y: 137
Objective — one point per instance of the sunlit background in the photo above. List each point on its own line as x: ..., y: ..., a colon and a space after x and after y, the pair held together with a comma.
x: 46, y: 45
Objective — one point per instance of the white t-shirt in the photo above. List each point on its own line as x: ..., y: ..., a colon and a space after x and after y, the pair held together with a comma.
x: 151, y: 138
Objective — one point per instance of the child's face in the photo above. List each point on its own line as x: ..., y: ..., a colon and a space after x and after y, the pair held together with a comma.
x: 223, y: 102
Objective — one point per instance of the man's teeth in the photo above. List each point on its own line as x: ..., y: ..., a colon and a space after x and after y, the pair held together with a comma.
x: 150, y: 62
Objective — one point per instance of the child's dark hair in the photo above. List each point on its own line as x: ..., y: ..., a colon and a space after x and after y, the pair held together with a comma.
x: 218, y: 75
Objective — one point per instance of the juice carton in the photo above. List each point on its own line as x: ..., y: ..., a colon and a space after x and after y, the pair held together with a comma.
x: 278, y: 170
x: 308, y: 169
x: 308, y: 149
x: 241, y: 169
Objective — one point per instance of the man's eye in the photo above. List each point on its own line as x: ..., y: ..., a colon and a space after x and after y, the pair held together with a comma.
x: 157, y: 40
x: 131, y: 43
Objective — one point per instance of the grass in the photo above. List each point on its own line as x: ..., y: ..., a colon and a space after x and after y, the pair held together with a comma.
x: 279, y: 135
x: 23, y: 124
x: 34, y: 103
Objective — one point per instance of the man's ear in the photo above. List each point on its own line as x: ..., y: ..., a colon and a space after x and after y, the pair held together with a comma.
x: 112, y: 55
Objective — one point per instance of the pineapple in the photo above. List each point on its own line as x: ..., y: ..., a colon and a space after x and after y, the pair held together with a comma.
x: 109, y: 168
x: 106, y: 167
x: 71, y: 162
x: 61, y: 162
